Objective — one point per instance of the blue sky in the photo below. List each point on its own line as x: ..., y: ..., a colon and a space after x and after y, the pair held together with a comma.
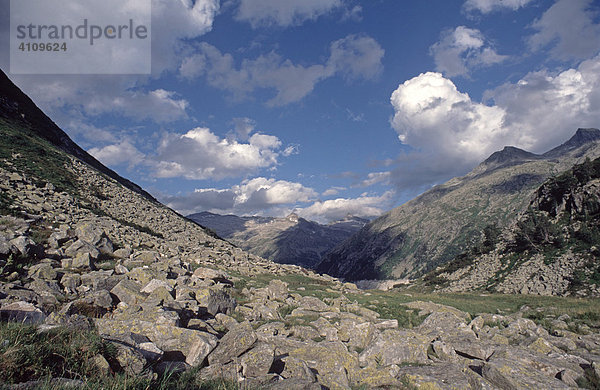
x: 331, y: 107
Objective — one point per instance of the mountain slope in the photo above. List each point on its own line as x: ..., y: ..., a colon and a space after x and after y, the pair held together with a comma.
x: 552, y: 249
x: 442, y: 222
x: 290, y: 240
x: 18, y: 109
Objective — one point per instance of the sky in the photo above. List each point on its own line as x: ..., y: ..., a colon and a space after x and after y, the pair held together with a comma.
x: 330, y: 107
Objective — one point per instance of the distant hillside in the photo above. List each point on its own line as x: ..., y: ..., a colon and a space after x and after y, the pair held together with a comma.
x: 443, y: 222
x: 290, y: 240
x: 552, y: 249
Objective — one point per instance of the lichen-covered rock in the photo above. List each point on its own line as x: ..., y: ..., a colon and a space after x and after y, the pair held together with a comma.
x: 446, y: 376
x: 26, y: 247
x: 507, y: 374
x: 178, y: 344
x: 277, y: 290
x: 81, y: 247
x: 335, y: 366
x: 257, y: 361
x: 235, y: 342
x: 129, y: 292
x: 88, y: 231
x: 396, y: 347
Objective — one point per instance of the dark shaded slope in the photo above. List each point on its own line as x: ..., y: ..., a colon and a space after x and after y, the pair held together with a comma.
x: 290, y: 240
x: 441, y: 223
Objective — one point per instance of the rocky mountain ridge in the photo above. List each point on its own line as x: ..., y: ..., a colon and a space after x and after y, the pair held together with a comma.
x: 433, y: 228
x: 289, y: 240
x: 552, y: 248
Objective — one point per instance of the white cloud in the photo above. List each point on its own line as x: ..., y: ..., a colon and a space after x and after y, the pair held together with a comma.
x: 375, y: 178
x: 200, y: 154
x: 354, y: 57
x: 462, y: 49
x: 118, y: 154
x: 354, y: 13
x: 487, y: 6
x: 283, y: 12
x: 451, y: 133
x: 291, y: 150
x: 569, y: 27
x: 258, y: 195
x: 333, y: 191
x: 243, y: 127
x: 173, y: 22
x: 431, y: 114
x: 364, y: 206
x: 543, y: 109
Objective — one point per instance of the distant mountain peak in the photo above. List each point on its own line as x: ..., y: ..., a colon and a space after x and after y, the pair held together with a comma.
x: 581, y: 137
x: 293, y: 217
x: 509, y: 154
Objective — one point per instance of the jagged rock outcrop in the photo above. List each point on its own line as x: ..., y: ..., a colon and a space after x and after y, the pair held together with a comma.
x: 433, y: 228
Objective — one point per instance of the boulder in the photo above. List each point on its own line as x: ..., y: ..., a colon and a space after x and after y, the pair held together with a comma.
x: 441, y: 377
x: 128, y: 291
x: 257, y: 361
x: 335, y: 366
x: 22, y: 312
x: 233, y: 344
x: 178, y: 344
x: 396, y: 347
x: 26, y: 247
x: 277, y: 290
x: 88, y: 231
x: 81, y: 247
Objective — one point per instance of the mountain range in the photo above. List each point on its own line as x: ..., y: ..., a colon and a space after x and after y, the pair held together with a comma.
x: 438, y: 225
x: 101, y: 286
x: 289, y: 240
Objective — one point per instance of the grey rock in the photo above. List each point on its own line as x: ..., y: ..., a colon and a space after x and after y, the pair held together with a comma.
x: 22, y: 312
x: 128, y: 291
x: 233, y: 344
x: 26, y: 247
x: 257, y: 361
x: 396, y: 347
x: 81, y: 247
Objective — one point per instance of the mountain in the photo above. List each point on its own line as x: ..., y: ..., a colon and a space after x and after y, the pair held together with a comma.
x: 290, y: 240
x: 102, y: 287
x: 18, y: 108
x: 433, y: 228
x: 552, y: 248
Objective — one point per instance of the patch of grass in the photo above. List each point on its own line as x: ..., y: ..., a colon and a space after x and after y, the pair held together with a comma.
x: 285, y: 310
x: 37, y: 158
x: 28, y: 355
x: 14, y: 264
x: 476, y: 303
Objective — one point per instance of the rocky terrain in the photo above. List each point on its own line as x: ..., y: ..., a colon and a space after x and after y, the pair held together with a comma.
x: 552, y: 249
x: 290, y: 240
x: 158, y: 297
x: 435, y: 227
